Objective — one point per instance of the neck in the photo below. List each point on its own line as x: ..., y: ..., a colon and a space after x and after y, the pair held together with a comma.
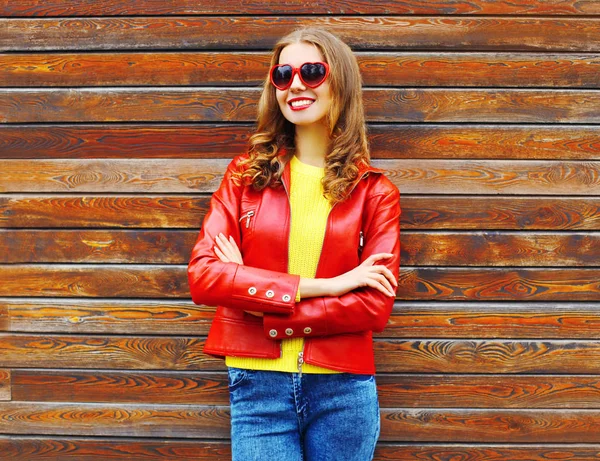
x: 312, y: 144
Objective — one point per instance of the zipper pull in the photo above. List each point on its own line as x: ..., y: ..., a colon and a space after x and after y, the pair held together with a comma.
x: 247, y: 216
x: 361, y: 241
x: 300, y: 362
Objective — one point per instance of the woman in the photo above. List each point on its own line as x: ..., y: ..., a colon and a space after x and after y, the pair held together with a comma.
x: 300, y: 252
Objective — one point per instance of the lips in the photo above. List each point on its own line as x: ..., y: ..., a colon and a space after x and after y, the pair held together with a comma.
x: 300, y: 103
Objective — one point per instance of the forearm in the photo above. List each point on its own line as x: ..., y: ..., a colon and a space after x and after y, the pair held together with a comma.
x: 311, y: 288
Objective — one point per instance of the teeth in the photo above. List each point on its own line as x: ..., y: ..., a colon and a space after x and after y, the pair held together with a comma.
x: 301, y: 102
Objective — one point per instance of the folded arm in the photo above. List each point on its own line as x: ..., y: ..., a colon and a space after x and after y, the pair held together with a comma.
x: 213, y: 282
x: 362, y: 309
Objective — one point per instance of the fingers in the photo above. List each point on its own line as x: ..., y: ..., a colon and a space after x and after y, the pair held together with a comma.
x: 228, y: 249
x: 374, y: 257
x: 379, y: 286
x: 386, y: 284
x: 236, y: 250
x: 388, y: 274
x: 221, y: 256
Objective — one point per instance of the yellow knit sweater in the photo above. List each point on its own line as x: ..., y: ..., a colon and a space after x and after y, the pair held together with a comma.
x: 309, y: 218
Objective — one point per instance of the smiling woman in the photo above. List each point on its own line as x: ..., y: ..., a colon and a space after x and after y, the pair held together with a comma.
x: 300, y: 251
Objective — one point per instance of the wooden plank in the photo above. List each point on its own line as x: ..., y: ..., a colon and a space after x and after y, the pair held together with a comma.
x: 486, y: 452
x: 499, y: 249
x: 394, y: 390
x: 411, y: 176
x: 105, y: 351
x: 239, y: 105
x: 132, y: 141
x: 5, y: 384
x: 180, y: 211
x: 408, y: 319
x: 548, y: 249
x: 113, y: 281
x: 451, y: 284
x: 184, y: 421
x: 169, y: 281
x: 160, y: 449
x: 111, y: 316
x: 484, y: 426
x: 20, y: 350
x: 492, y: 320
x: 477, y: 391
x: 65, y: 448
x: 189, y: 388
x: 434, y: 141
x: 227, y: 7
x: 123, y: 420
x: 437, y: 33
x: 560, y: 70
x: 487, y: 356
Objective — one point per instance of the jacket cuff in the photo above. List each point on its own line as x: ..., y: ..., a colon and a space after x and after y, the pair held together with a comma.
x: 263, y: 290
x: 309, y: 319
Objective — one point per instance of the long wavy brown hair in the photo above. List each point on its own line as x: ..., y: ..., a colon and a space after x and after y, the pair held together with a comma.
x: 272, y: 145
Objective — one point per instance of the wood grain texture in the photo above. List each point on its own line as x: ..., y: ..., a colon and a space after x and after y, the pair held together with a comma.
x: 548, y: 249
x: 394, y: 390
x: 226, y: 7
x: 500, y: 142
x: 475, y: 177
x: 20, y: 350
x: 26, y: 448
x: 558, y: 320
x: 487, y: 356
x: 110, y: 316
x: 189, y: 388
x: 5, y: 384
x: 560, y: 284
x: 169, y: 281
x: 227, y: 69
x: 484, y: 426
x: 161, y: 449
x: 437, y: 33
x: 239, y: 105
x: 123, y: 420
x: 411, y: 425
x: 180, y: 211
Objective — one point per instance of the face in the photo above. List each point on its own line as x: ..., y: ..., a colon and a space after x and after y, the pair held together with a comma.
x: 312, y: 104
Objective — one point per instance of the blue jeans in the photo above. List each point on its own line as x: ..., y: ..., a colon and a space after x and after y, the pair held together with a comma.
x: 315, y: 417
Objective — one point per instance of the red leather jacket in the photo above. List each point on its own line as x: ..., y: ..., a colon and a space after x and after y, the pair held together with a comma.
x: 337, y: 329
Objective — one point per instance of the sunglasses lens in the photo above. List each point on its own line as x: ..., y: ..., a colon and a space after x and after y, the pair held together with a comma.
x: 313, y: 73
x: 282, y: 75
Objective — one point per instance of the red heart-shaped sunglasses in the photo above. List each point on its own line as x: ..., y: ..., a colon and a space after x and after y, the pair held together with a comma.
x: 312, y: 74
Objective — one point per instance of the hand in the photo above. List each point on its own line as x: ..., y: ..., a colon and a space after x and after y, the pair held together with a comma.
x: 228, y: 251
x: 366, y: 274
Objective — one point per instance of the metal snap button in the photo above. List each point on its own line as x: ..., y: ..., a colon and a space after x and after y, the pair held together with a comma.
x: 270, y: 293
x: 289, y: 331
x: 286, y: 298
x: 272, y: 333
x: 308, y: 330
x: 252, y: 290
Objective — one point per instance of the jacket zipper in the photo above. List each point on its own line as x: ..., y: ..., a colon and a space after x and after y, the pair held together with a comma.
x: 247, y: 217
x: 301, y: 353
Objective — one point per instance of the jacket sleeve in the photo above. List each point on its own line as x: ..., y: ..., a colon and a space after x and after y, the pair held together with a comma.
x: 215, y: 283
x: 364, y: 308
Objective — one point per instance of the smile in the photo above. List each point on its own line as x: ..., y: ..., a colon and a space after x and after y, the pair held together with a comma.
x: 300, y: 104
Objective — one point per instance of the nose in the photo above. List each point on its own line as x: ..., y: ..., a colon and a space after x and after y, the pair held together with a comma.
x: 297, y: 84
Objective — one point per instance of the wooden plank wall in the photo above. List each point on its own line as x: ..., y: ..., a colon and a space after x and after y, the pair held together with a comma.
x: 118, y: 120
